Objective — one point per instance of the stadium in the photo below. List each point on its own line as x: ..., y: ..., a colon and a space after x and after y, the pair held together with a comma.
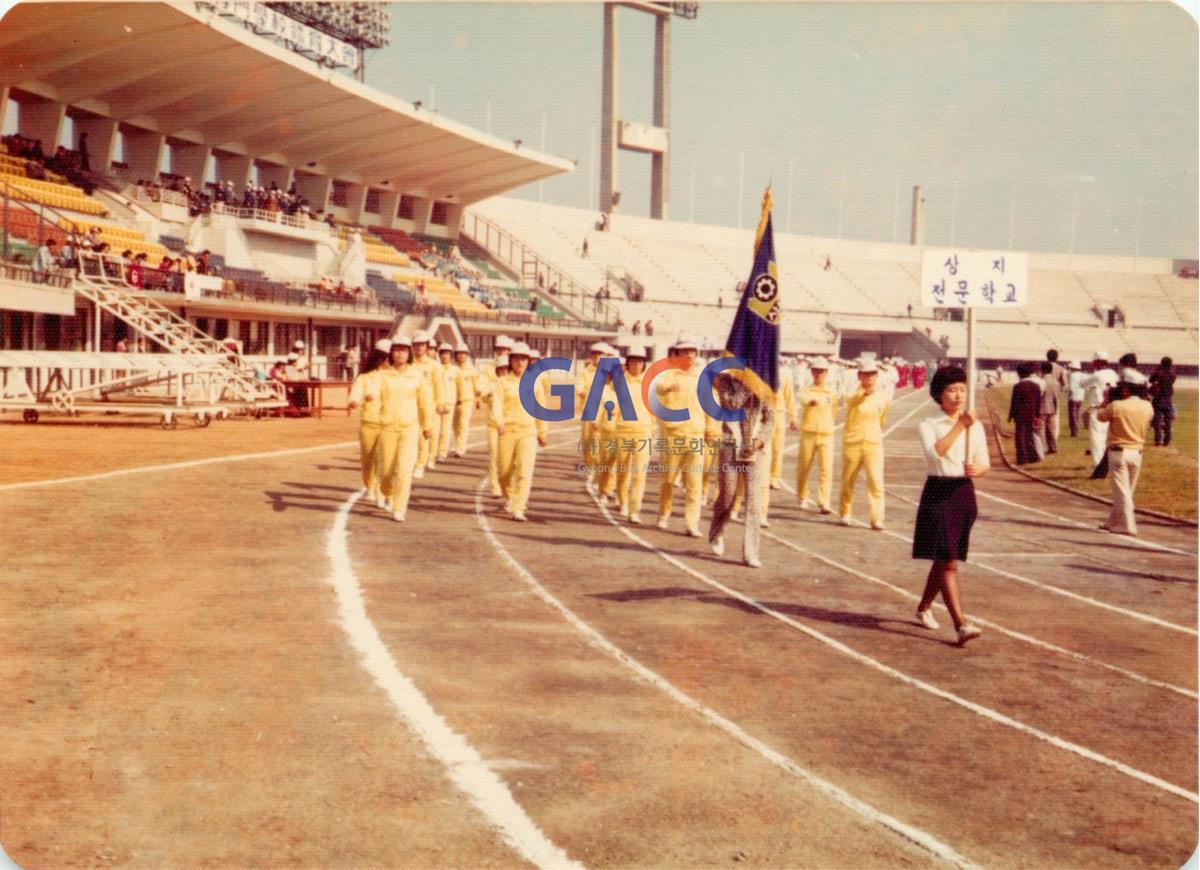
x: 219, y: 651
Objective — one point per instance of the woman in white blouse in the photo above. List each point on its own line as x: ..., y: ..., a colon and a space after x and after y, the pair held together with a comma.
x: 947, y: 510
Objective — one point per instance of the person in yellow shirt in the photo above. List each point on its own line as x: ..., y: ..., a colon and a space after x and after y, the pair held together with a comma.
x: 487, y: 389
x: 583, y: 384
x: 1128, y: 415
x: 862, y: 443
x: 430, y: 369
x: 405, y: 416
x: 445, y: 425
x: 635, y: 440
x: 367, y: 383
x: 466, y: 400
x: 519, y: 435
x: 785, y: 407
x: 676, y: 389
x: 818, y: 407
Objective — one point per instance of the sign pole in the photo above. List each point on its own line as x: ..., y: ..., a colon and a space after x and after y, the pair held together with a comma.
x: 970, y: 373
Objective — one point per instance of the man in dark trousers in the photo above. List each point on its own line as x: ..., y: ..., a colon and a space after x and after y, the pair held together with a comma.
x: 1162, y: 396
x: 1025, y: 413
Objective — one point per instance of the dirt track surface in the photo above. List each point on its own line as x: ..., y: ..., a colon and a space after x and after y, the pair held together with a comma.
x: 181, y: 691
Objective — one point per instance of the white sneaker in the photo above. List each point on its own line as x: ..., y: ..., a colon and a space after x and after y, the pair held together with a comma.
x: 846, y: 521
x: 764, y: 524
x: 418, y: 473
x: 443, y: 458
x: 967, y: 632
x: 826, y: 509
x: 807, y: 504
x: 387, y: 505
x: 925, y: 617
x: 753, y: 562
x: 398, y: 517
x: 718, y: 546
x: 877, y: 526
x: 664, y: 522
x: 776, y: 485
x: 520, y: 518
x: 496, y: 493
x: 636, y: 519
x: 380, y: 500
x: 736, y: 516
x: 432, y: 465
x: 693, y: 532
x: 624, y: 513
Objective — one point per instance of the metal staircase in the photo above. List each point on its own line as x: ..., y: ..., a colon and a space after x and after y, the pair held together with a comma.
x: 101, y: 282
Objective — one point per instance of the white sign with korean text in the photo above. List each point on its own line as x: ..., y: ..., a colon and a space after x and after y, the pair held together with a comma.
x: 302, y: 38
x: 959, y: 278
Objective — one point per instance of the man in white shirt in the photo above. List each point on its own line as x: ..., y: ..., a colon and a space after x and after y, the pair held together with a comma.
x: 1095, y: 388
x: 1074, y: 395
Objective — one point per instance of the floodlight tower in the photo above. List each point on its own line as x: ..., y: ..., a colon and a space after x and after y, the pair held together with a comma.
x: 648, y: 139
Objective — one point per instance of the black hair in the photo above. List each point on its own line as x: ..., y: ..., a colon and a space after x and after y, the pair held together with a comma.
x: 1166, y: 363
x: 375, y: 360
x: 1024, y: 369
x: 1047, y: 367
x: 1052, y: 355
x: 1129, y: 360
x: 943, y: 378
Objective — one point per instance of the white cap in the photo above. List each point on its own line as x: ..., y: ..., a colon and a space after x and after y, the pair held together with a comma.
x: 818, y: 362
x: 1076, y: 365
x: 445, y: 345
x: 597, y: 347
x: 298, y: 344
x: 637, y: 352
x: 421, y: 337
x: 520, y: 349
x: 384, y: 345
x: 534, y: 353
x: 686, y: 342
x: 1132, y: 376
x: 462, y: 347
x: 868, y: 364
x: 292, y: 357
x: 503, y: 341
x: 1100, y: 356
x: 401, y: 341
x: 502, y: 360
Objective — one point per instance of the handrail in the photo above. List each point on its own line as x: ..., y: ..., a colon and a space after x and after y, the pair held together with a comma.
x: 568, y: 287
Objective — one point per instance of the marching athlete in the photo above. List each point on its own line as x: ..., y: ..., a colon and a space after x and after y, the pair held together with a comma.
x: 635, y: 440
x: 862, y: 443
x: 369, y: 427
x: 445, y: 424
x: 604, y: 430
x: 430, y: 369
x: 405, y: 417
x: 676, y: 388
x: 785, y: 406
x: 818, y: 404
x: 487, y: 389
x: 466, y: 398
x: 519, y: 435
x: 583, y: 383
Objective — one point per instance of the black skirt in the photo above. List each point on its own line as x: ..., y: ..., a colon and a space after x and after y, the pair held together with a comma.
x: 944, y: 519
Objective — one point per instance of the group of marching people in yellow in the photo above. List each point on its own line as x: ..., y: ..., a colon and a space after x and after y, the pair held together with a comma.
x: 417, y: 399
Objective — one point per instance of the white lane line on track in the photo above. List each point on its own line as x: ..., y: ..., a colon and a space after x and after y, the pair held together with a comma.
x: 861, y: 658
x: 1047, y: 587
x: 999, y: 629
x: 915, y: 835
x: 173, y: 466
x: 467, y: 769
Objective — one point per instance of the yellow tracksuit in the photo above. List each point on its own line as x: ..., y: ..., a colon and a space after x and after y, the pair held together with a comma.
x: 465, y: 380
x: 368, y: 428
x: 677, y: 389
x: 445, y: 422
x: 516, y: 449
x: 604, y: 430
x: 818, y: 407
x: 403, y: 413
x: 587, y: 434
x: 785, y: 406
x: 426, y: 450
x: 486, y: 385
x: 635, y: 442
x: 862, y: 448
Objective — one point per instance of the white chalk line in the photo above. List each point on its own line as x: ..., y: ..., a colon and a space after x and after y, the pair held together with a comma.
x: 467, y: 769
x: 979, y: 709
x: 915, y: 835
x: 999, y: 629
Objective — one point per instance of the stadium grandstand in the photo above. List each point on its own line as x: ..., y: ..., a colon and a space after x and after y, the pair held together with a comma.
x: 333, y: 214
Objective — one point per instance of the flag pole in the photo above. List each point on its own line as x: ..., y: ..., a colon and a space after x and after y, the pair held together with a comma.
x: 970, y: 375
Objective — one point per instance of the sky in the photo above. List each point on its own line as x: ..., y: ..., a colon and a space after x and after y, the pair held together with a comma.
x: 1035, y: 126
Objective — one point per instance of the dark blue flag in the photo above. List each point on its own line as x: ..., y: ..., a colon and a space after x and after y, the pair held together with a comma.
x: 755, y: 333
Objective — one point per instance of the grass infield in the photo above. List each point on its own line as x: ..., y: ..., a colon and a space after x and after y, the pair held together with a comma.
x: 1168, y: 478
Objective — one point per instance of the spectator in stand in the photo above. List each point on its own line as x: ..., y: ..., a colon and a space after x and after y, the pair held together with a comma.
x: 828, y: 264
x: 1162, y: 395
x: 66, y: 257
x: 203, y: 266
x: 649, y: 327
x: 166, y: 264
x: 279, y: 370
x: 1075, y: 378
x: 84, y: 161
x: 1024, y: 411
x: 602, y: 225
x: 533, y: 303
x: 44, y: 262
x: 1128, y: 416
x: 637, y: 327
x: 585, y: 247
x: 1050, y: 393
x: 135, y: 274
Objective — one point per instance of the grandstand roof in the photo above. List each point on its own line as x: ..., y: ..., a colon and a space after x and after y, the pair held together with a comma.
x: 193, y: 75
